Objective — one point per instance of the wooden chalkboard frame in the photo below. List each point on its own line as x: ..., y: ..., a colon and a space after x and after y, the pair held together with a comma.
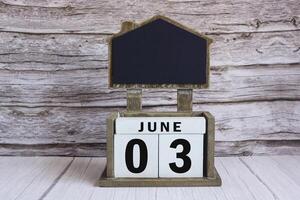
x: 210, y: 178
x: 130, y: 26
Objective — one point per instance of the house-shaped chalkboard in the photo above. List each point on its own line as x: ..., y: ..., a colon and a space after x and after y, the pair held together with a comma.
x: 159, y: 53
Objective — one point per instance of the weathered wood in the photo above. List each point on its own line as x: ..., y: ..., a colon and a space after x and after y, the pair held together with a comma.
x: 289, y: 165
x: 234, y: 122
x: 78, y: 182
x: 53, y: 52
x: 209, y: 141
x: 223, y: 148
x: 239, y: 182
x: 184, y: 100
x: 52, y: 125
x: 239, y: 128
x: 134, y: 100
x: 258, y: 147
x: 29, y: 177
x: 53, y: 73
x: 110, y: 170
x: 78, y: 16
x: 250, y: 178
x: 85, y: 88
x: 159, y: 182
x: 58, y: 149
x: 273, y: 176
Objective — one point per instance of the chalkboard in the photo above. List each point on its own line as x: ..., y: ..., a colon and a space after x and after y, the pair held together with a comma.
x: 159, y: 54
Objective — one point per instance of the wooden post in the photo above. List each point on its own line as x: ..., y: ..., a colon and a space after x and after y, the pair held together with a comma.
x: 134, y: 100
x: 185, y: 100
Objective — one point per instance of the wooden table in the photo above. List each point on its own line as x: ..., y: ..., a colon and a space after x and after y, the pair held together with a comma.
x: 274, y: 177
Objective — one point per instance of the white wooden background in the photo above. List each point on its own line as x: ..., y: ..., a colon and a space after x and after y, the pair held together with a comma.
x: 54, y: 96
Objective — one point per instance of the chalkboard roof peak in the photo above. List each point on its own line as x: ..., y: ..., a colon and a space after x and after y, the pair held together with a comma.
x: 128, y: 26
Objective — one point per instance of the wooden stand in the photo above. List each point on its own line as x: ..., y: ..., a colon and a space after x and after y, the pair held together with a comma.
x: 184, y: 107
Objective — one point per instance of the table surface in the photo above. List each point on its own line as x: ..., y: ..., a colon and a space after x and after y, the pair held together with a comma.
x: 259, y: 177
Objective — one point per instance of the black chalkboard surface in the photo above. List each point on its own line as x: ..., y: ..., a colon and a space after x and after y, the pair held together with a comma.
x: 159, y: 53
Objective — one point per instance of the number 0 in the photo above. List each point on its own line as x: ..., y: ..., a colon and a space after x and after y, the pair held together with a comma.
x: 183, y: 155
x: 143, y: 156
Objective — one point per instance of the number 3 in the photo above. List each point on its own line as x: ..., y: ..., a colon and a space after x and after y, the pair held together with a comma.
x: 183, y: 155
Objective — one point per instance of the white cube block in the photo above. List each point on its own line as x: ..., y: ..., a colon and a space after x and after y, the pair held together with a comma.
x: 136, y: 155
x: 181, y: 155
x: 160, y: 125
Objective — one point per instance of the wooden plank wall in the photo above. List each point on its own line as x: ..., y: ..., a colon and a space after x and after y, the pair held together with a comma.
x: 54, y: 96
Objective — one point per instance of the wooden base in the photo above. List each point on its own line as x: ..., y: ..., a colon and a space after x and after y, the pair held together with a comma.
x: 159, y: 182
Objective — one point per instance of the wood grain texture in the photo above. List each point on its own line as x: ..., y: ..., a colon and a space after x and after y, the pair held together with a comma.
x: 240, y: 127
x: 249, y: 178
x: 223, y: 148
x: 53, y: 73
x: 55, y: 52
x: 134, y: 100
x: 88, y: 87
x: 81, y: 176
x: 248, y: 121
x: 272, y: 175
x: 54, y: 149
x: 78, y: 16
x: 185, y: 100
x: 29, y: 177
x: 289, y: 165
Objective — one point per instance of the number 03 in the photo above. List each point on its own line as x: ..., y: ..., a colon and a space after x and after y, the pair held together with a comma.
x: 186, y: 148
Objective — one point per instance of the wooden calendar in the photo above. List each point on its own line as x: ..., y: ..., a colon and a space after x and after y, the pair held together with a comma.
x: 151, y: 146
x: 159, y: 148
